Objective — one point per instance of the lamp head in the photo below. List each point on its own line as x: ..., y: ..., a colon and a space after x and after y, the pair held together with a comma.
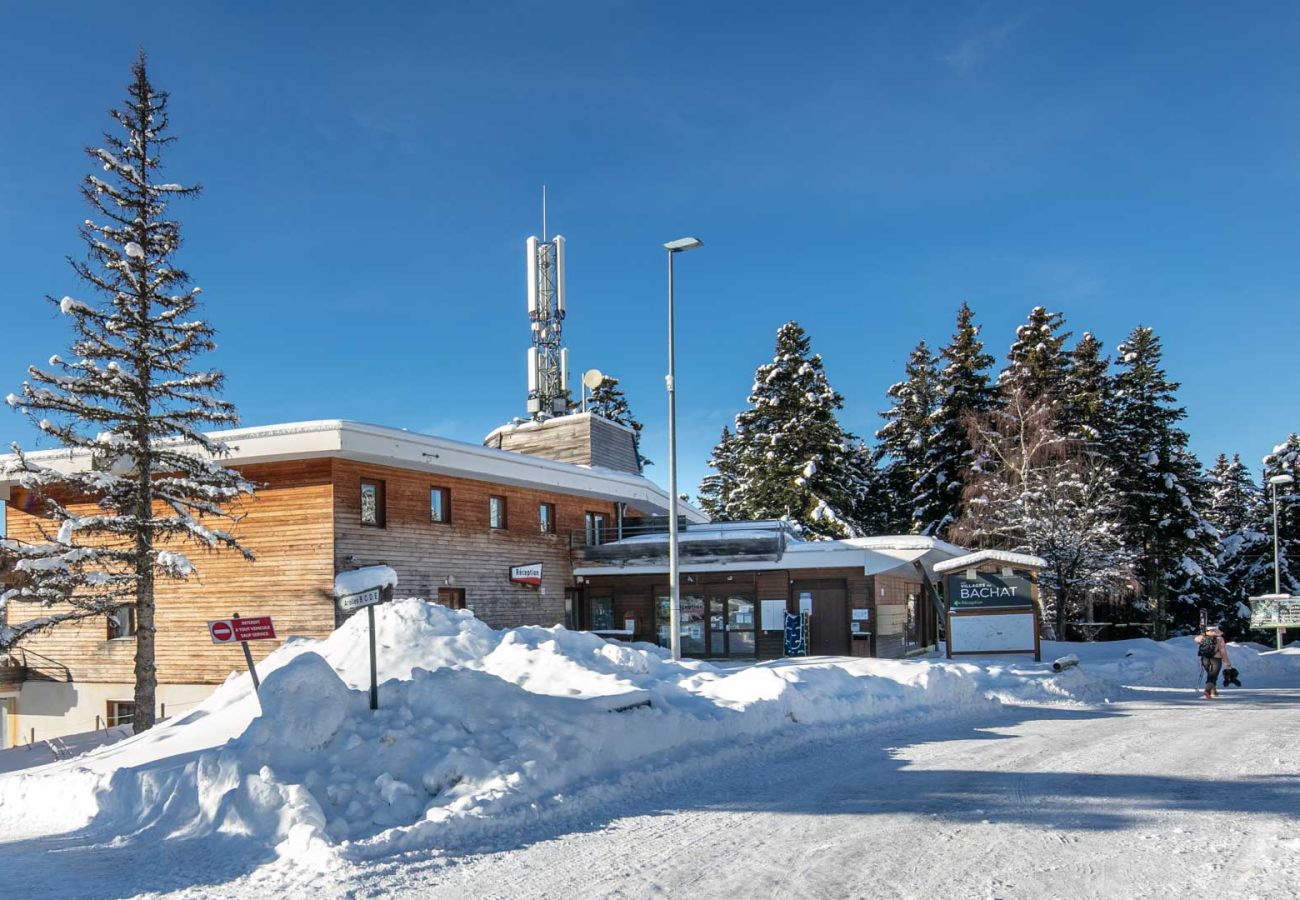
x: 682, y: 244
x: 1279, y: 480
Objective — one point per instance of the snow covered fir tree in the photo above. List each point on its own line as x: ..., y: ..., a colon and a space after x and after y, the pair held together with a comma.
x: 963, y: 390
x: 1127, y: 515
x: 789, y: 458
x: 904, y: 442
x: 131, y: 394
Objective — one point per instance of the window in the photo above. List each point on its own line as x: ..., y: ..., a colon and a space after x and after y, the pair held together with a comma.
x: 546, y: 518
x: 452, y: 598
x: 595, y: 528
x: 121, y: 622
x: 602, y: 613
x: 120, y: 712
x: 372, y: 503
x: 439, y: 505
x: 497, y: 512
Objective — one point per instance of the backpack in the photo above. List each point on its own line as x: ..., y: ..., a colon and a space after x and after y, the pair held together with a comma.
x: 1208, y: 647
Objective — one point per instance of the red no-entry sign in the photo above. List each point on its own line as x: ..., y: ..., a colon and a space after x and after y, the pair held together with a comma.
x: 232, y: 631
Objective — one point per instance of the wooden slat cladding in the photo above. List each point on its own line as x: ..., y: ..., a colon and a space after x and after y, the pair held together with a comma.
x: 288, y: 524
x: 466, y: 550
x: 582, y: 439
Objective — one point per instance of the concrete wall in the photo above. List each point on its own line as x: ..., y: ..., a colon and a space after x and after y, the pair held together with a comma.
x: 59, y: 708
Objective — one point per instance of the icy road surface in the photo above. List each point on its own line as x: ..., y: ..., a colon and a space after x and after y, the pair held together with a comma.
x: 1163, y: 795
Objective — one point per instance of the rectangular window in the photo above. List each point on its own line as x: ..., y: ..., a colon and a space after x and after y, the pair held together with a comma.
x: 452, y: 598
x: 497, y: 512
x: 120, y: 712
x: 546, y: 517
x: 602, y: 613
x: 372, y: 503
x: 121, y: 622
x: 595, y: 529
x: 439, y: 505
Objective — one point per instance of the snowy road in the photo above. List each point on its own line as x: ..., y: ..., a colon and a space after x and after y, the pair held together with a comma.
x: 1162, y: 795
x: 1157, y: 797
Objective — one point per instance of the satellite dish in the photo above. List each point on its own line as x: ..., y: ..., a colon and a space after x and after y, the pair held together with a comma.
x: 592, y: 378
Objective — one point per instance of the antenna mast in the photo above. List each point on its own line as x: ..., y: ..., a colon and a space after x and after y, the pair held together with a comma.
x: 548, y: 359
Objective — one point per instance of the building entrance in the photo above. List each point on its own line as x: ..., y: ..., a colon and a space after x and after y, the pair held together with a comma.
x: 715, y: 622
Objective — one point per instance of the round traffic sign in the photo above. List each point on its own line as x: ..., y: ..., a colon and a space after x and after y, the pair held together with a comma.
x: 221, y: 632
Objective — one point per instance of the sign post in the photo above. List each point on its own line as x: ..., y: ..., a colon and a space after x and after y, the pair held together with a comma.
x: 368, y: 600
x: 235, y: 629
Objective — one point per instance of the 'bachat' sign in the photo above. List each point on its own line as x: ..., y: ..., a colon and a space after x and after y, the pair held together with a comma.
x: 988, y: 589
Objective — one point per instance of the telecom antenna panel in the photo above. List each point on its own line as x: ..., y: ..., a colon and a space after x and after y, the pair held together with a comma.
x: 548, y: 360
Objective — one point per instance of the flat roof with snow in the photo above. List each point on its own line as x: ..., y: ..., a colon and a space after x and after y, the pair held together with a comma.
x: 360, y: 442
x: 874, y: 555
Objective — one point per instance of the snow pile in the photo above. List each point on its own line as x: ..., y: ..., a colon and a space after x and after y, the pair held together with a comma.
x: 1142, y: 662
x: 476, y: 729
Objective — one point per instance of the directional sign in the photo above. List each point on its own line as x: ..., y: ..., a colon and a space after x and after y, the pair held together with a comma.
x: 360, y: 601
x: 234, y: 631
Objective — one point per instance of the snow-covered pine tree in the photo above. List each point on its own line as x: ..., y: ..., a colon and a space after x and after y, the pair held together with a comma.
x: 131, y: 398
x: 608, y: 401
x: 1163, y: 487
x: 1284, y: 460
x: 1236, y: 511
x: 903, y: 442
x: 1037, y: 364
x: 1086, y: 396
x: 716, y: 488
x: 793, y: 459
x: 963, y: 391
x: 1034, y: 490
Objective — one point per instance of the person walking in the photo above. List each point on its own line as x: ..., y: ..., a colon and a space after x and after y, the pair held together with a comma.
x: 1212, y: 651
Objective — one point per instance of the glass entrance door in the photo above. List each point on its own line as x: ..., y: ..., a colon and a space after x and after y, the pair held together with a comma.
x: 731, y: 625
x: 715, y: 624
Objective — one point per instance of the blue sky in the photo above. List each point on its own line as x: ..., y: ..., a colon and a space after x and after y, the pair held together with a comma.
x: 371, y: 172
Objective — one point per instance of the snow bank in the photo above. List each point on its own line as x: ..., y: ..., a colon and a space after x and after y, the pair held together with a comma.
x: 478, y: 727
x: 1174, y: 664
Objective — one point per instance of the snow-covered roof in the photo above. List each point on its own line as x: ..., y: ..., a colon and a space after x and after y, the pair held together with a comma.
x: 396, y: 447
x: 874, y: 555
x: 970, y: 560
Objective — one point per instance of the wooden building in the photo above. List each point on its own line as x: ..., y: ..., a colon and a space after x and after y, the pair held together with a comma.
x: 451, y: 518
x: 865, y: 597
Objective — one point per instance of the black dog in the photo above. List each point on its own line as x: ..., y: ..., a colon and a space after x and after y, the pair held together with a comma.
x: 1230, y: 677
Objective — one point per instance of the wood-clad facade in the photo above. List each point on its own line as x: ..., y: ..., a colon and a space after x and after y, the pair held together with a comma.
x: 463, y: 552
x: 305, y: 524
x: 288, y: 524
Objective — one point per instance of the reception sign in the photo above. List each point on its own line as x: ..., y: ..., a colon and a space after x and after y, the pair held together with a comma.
x: 988, y: 590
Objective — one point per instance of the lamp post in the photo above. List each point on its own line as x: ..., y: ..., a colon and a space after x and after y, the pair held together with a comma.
x: 681, y: 245
x: 1277, y: 481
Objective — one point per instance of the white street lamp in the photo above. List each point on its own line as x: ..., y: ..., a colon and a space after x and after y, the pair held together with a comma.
x: 681, y: 245
x: 1277, y: 481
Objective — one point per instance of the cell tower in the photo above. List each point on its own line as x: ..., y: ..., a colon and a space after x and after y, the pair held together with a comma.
x: 548, y: 360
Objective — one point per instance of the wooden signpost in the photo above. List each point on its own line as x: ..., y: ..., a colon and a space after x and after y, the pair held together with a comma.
x: 235, y: 629
x: 368, y: 599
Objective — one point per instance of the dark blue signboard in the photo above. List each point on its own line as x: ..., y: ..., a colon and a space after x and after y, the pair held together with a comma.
x: 988, y: 589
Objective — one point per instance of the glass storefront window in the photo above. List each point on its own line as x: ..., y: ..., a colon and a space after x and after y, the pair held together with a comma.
x: 602, y: 613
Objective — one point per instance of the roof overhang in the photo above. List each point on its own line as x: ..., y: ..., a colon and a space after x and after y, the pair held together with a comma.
x: 971, y: 560
x: 875, y: 556
x: 397, y: 448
